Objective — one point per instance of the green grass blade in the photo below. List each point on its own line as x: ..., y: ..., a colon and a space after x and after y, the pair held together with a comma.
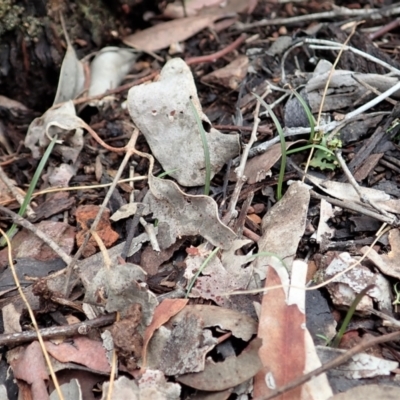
x: 310, y: 146
x: 205, y: 147
x: 202, y: 266
x: 308, y: 112
x: 11, y: 232
x: 349, y: 315
x: 283, y: 144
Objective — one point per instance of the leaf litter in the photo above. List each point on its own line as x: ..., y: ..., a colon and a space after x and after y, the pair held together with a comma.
x: 168, y: 246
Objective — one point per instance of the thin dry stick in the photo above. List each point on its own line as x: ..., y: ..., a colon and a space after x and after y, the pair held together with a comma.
x: 31, y: 315
x: 241, y: 178
x: 215, y: 56
x: 70, y: 189
x: 18, y: 196
x: 81, y: 328
x: 130, y: 149
x: 107, y: 265
x: 113, y: 369
x: 17, y: 219
x: 364, y: 345
x: 338, y: 12
x: 357, y: 188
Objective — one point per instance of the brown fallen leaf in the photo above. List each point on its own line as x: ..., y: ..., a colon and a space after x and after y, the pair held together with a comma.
x: 163, y: 35
x: 163, y: 312
x: 31, y: 368
x: 85, y: 215
x: 387, y: 263
x: 81, y: 350
x: 231, y: 75
x: 229, y: 373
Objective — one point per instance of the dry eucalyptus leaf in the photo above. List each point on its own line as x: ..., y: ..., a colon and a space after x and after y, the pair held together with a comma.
x: 360, y: 366
x: 388, y: 264
x: 163, y: 35
x: 277, y: 239
x: 241, y: 325
x: 119, y: 287
x: 72, y: 77
x: 163, y: 113
x: 378, y: 391
x: 109, y: 68
x: 62, y: 121
x: 257, y: 168
x: 152, y: 385
x: 346, y: 191
x: 127, y: 210
x: 206, y: 7
x: 229, y: 373
x: 180, y: 214
x: 344, y: 288
x: 231, y: 75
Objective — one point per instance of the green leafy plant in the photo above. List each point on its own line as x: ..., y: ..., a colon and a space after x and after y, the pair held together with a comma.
x: 324, y: 157
x: 11, y: 232
x: 205, y: 147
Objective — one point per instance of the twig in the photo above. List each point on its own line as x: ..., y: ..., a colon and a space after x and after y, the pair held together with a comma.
x: 215, y: 56
x: 130, y: 149
x: 393, y: 221
x: 338, y: 12
x: 364, y: 345
x: 81, y: 328
x: 384, y: 29
x: 241, y: 178
x: 41, y: 235
x: 132, y: 230
x: 356, y: 186
x: 31, y: 315
x: 18, y: 196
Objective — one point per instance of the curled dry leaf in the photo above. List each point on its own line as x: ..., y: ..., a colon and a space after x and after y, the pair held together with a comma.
x: 72, y: 77
x: 180, y: 214
x: 109, y: 68
x: 163, y: 113
x: 163, y: 35
x: 59, y: 121
x: 388, y: 264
